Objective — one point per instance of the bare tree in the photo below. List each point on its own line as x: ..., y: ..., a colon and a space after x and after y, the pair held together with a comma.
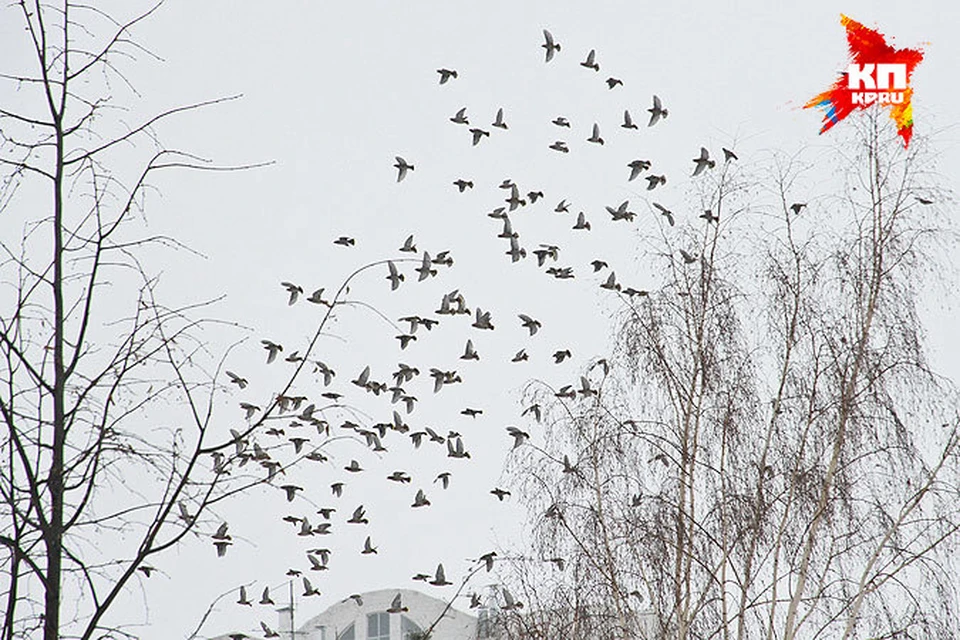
x: 770, y: 454
x: 112, y: 453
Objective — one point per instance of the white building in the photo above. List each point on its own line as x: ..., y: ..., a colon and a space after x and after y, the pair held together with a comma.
x: 369, y: 620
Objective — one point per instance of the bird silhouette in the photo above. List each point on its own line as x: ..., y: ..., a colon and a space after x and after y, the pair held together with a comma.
x: 703, y: 161
x: 550, y: 45
x: 561, y: 355
x: 654, y: 181
x: 582, y: 222
x: 498, y: 122
x: 243, y: 597
x: 408, y: 245
x: 478, y: 135
x: 446, y: 74
x: 346, y: 241
x: 560, y: 146
x: 368, y: 547
x: 237, y: 380
x: 729, y: 155
x: 595, y: 136
x: 666, y: 213
x: 440, y: 579
x: 420, y: 500
x: 272, y: 350
x: 531, y: 325
x: 309, y: 589
x: 359, y: 516
x: 425, y: 270
x: 402, y: 168
x: 591, y: 61
x: 293, y: 290
x: 598, y: 265
x: 519, y: 437
x: 520, y: 356
x: 394, y: 276
x: 611, y: 282
x: 396, y: 605
x: 613, y: 82
x: 628, y: 121
x: 463, y: 185
x: 469, y: 353
x: 460, y: 117
x: 267, y: 631
x: 444, y: 479
x: 687, y: 258
x: 636, y: 166
x: 265, y: 598
x: 500, y: 493
x: 709, y: 216
x: 796, y: 207
x: 656, y: 112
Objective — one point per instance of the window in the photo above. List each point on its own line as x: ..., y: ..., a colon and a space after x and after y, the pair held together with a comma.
x: 378, y: 626
x: 347, y: 634
x: 407, y: 627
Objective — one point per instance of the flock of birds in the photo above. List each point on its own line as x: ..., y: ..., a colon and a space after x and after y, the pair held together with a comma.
x: 302, y: 416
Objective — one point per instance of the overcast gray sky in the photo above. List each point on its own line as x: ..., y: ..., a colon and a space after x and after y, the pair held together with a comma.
x: 333, y: 91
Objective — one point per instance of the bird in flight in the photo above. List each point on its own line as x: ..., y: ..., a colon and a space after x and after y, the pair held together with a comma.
x: 478, y: 135
x: 595, y: 136
x: 446, y: 74
x: 636, y: 166
x: 591, y: 61
x: 656, y: 111
x: 550, y: 45
x: 666, y: 213
x: 402, y: 167
x: 237, y: 380
x: 628, y: 121
x: 560, y: 146
x: 293, y: 290
x: 560, y: 121
x: 460, y: 117
x: 613, y: 82
x: 499, y: 123
x: 653, y: 181
x: 395, y: 277
x: 729, y: 155
x: 582, y: 222
x: 532, y: 325
x: 703, y: 161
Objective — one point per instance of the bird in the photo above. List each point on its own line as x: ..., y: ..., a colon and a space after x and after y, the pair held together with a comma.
x: 613, y: 82
x: 460, y: 117
x: 520, y: 356
x: 408, y: 245
x: 507, y: 184
x: 439, y: 578
x: 656, y: 111
x: 316, y: 564
x: 568, y: 467
x: 446, y: 74
x: 346, y: 241
x: 598, y: 265
x: 500, y: 493
x: 402, y: 168
x: 509, y: 603
x: 396, y: 605
x: 356, y: 597
x: 653, y: 181
x: 533, y: 409
x: 595, y: 136
x: 550, y: 45
x: 425, y: 270
x: 265, y: 598
x: 478, y: 135
x: 534, y: 196
x: 317, y: 297
x: 243, y: 597
x: 516, y: 252
x: 337, y: 489
x: 666, y: 213
x: 420, y: 500
x: 353, y: 467
x: 463, y: 185
x: 395, y: 277
x: 560, y: 146
x: 482, y: 320
x: 611, y: 283
x: 709, y: 216
x: 519, y: 437
x: 308, y: 589
x: 591, y: 61
x: 293, y: 290
x: 267, y: 631
x: 687, y: 258
x: 221, y: 546
x: 359, y: 516
x: 272, y: 350
x: 399, y: 476
x: 237, y: 380
x: 498, y: 122
x: 291, y: 491
x: 923, y: 201
x: 560, y: 121
x: 469, y: 353
x: 729, y: 155
x: 532, y: 325
x: 515, y: 200
x: 475, y: 600
x: 628, y: 121
x: 796, y: 207
x: 560, y: 355
x: 582, y: 222
x: 562, y: 207
x: 444, y: 479
x: 546, y: 251
x: 363, y: 378
x: 636, y: 166
x: 621, y: 212
x: 508, y: 231
x: 703, y: 161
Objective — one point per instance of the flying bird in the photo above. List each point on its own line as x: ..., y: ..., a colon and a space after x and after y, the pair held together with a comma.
x: 395, y: 277
x: 499, y: 123
x: 613, y: 82
x: 636, y: 166
x: 237, y: 380
x: 628, y: 121
x: 272, y: 350
x: 703, y: 161
x: 346, y: 241
x: 729, y: 155
x: 796, y: 207
x: 408, y: 245
x: 598, y: 265
x: 402, y: 167
x: 666, y: 213
x: 560, y: 121
x: 656, y: 111
x: 420, y: 500
x: 532, y: 325
x: 463, y: 185
x: 582, y: 222
x: 478, y: 135
x: 550, y: 45
x: 469, y: 353
x: 687, y: 258
x: 591, y: 61
x: 440, y: 579
x: 560, y: 146
x: 500, y: 493
x: 396, y: 606
x: 595, y: 136
x: 293, y: 290
x: 460, y: 117
x: 243, y: 597
x: 653, y: 181
x: 446, y: 74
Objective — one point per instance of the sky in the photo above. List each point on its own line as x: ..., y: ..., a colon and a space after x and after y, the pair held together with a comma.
x: 329, y: 93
